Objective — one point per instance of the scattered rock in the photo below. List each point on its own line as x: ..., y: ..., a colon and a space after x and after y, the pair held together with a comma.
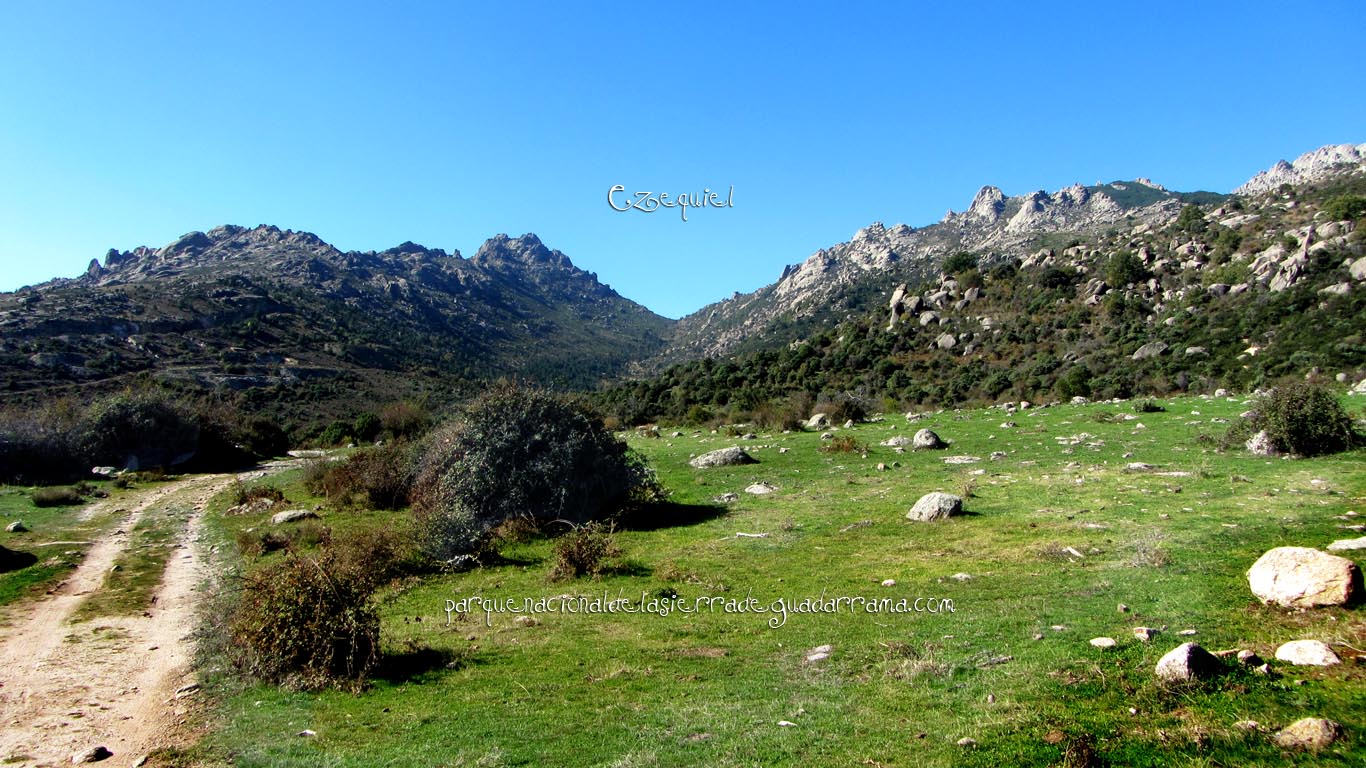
x: 1150, y: 350
x: 818, y: 420
x: 819, y: 653
x: 1260, y: 445
x: 760, y: 489
x: 92, y: 755
x: 1103, y: 642
x: 16, y: 527
x: 11, y: 560
x: 962, y: 459
x: 889, y: 582
x: 1146, y: 633
x: 293, y: 516
x: 727, y: 498
x: 927, y: 440
x: 967, y: 742
x: 1307, y: 653
x: 523, y: 620
x: 893, y: 442
x: 1313, y: 733
x: 961, y: 577
x: 1346, y: 545
x: 1187, y: 662
x: 935, y: 506
x: 1300, y: 577
x: 724, y: 457
x: 1249, y: 658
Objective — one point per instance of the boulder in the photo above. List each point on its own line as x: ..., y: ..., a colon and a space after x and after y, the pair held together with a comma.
x: 1307, y: 653
x: 92, y: 755
x: 16, y: 527
x: 935, y: 506
x: 893, y: 442
x: 945, y: 341
x: 927, y: 440
x: 724, y: 457
x: 1150, y: 350
x: 293, y: 516
x: 1312, y: 733
x: 1358, y: 269
x: 1300, y: 577
x: 760, y: 489
x: 818, y: 420
x: 1187, y: 662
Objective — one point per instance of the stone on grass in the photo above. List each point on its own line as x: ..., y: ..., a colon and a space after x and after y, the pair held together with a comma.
x: 723, y: 457
x: 927, y: 440
x: 759, y: 489
x: 818, y: 420
x: 893, y: 442
x: 726, y: 498
x: 1185, y: 663
x: 1300, y: 577
x: 1103, y: 642
x: 1260, y: 445
x: 1347, y: 545
x: 1307, y: 653
x: 16, y: 527
x: 1145, y: 633
x: 935, y: 506
x: 293, y: 516
x: 1313, y: 733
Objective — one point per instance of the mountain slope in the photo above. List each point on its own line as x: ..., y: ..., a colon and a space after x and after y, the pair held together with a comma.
x: 291, y: 317
x: 847, y: 279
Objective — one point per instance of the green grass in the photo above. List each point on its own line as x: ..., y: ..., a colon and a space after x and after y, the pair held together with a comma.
x: 711, y: 688
x: 46, y: 525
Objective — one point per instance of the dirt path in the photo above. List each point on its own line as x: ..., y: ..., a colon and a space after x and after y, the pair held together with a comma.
x: 112, y: 681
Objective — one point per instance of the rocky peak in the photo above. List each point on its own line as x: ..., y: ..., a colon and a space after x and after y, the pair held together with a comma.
x: 1315, y: 166
x: 527, y: 250
x: 987, y: 204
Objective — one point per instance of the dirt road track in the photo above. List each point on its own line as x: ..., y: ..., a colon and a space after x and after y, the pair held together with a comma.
x: 67, y: 687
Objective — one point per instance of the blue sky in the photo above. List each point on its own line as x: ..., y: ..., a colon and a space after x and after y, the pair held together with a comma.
x: 128, y: 124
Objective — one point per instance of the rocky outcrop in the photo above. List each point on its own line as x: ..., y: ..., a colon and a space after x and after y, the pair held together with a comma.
x: 1310, y: 167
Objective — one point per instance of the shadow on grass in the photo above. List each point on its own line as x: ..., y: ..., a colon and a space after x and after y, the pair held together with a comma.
x: 413, y: 662
x: 655, y: 517
x: 11, y: 560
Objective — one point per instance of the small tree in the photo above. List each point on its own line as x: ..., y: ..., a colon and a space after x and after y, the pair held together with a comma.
x: 959, y: 262
x: 1124, y: 268
x: 1191, y: 219
x: 1306, y: 419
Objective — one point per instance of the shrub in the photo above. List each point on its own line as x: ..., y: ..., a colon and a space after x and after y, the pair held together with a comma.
x: 518, y: 451
x: 587, y: 550
x: 404, y: 420
x: 336, y: 433
x: 245, y: 494
x: 56, y: 497
x: 1345, y: 207
x: 367, y: 427
x: 959, y: 262
x: 304, y: 622
x: 1148, y: 406
x: 139, y: 431
x: 1124, y: 268
x: 1306, y: 419
x: 375, y: 557
x: 1075, y: 383
x: 844, y: 444
x: 381, y: 476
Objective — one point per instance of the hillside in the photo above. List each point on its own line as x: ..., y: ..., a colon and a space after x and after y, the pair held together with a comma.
x: 1235, y: 294
x: 290, y: 318
x: 847, y: 279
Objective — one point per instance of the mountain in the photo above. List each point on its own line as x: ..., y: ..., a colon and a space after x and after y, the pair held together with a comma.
x: 1324, y: 163
x: 847, y: 279
x: 1143, y: 292
x: 286, y: 316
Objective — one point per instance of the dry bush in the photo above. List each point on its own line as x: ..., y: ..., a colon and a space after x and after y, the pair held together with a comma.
x: 587, y: 550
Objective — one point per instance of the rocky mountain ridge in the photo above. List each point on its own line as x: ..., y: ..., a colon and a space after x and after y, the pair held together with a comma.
x: 1311, y: 167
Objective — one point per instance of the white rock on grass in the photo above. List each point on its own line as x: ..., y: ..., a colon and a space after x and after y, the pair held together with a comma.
x: 927, y: 440
x: 1300, y: 577
x: 759, y: 489
x: 1347, y: 545
x: 1307, y: 653
x: 1187, y: 662
x: 293, y: 516
x: 724, y: 457
x: 1103, y: 642
x: 935, y: 506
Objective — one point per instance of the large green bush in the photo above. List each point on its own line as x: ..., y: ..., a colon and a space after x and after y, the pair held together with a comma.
x: 1306, y: 419
x: 139, y: 430
x: 519, y: 452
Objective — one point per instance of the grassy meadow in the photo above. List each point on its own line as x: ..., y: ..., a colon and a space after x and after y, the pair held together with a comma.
x: 1062, y: 542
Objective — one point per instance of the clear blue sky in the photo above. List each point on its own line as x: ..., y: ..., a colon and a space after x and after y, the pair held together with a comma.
x: 125, y: 124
